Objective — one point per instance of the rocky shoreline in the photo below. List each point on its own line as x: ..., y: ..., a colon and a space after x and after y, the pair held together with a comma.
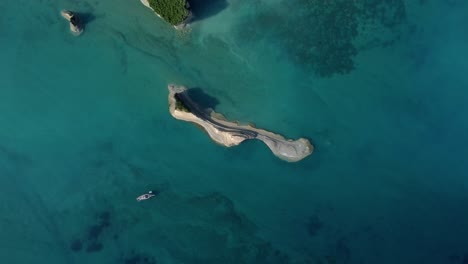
x: 228, y: 133
x: 179, y: 26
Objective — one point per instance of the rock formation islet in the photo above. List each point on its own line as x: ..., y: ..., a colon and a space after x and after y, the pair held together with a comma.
x: 228, y: 133
x: 76, y: 26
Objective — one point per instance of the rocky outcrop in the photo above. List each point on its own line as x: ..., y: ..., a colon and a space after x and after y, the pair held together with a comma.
x: 228, y: 133
x: 76, y: 25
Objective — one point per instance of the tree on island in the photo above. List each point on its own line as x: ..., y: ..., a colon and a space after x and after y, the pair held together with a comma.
x: 173, y: 11
x: 180, y: 105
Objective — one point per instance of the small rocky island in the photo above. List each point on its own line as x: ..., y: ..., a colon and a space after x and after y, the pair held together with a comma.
x: 76, y: 26
x: 228, y: 133
x: 175, y: 12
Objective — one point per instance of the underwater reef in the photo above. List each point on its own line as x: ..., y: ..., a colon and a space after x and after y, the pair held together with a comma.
x: 324, y: 37
x: 91, y: 239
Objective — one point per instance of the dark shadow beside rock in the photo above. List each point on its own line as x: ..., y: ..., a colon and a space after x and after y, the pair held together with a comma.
x: 86, y: 18
x: 202, y: 99
x: 203, y: 9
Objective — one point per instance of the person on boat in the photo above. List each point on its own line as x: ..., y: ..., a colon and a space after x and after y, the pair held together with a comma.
x: 146, y: 196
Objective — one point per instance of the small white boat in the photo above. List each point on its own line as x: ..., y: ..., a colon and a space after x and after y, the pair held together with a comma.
x: 145, y: 196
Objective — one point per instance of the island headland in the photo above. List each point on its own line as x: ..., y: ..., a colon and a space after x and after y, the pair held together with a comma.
x: 228, y: 133
x: 175, y: 12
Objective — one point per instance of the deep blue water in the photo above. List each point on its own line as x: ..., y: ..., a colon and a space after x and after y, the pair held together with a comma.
x: 379, y: 87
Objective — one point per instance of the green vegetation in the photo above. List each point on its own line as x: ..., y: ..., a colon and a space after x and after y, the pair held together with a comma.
x: 179, y: 105
x: 173, y: 11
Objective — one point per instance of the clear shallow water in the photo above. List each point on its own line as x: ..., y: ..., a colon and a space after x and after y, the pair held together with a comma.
x: 84, y: 129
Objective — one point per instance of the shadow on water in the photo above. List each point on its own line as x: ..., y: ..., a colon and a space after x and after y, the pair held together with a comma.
x: 203, y: 9
x: 204, y: 100
x: 86, y: 18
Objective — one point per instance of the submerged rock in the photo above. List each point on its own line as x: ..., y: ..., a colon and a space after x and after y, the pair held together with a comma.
x: 314, y: 226
x: 94, y: 247
x: 76, y: 245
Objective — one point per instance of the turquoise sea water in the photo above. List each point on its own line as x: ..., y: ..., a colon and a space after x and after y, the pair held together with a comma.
x: 379, y: 87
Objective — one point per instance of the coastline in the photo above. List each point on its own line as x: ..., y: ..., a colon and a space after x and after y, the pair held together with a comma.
x: 179, y: 26
x: 229, y: 133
